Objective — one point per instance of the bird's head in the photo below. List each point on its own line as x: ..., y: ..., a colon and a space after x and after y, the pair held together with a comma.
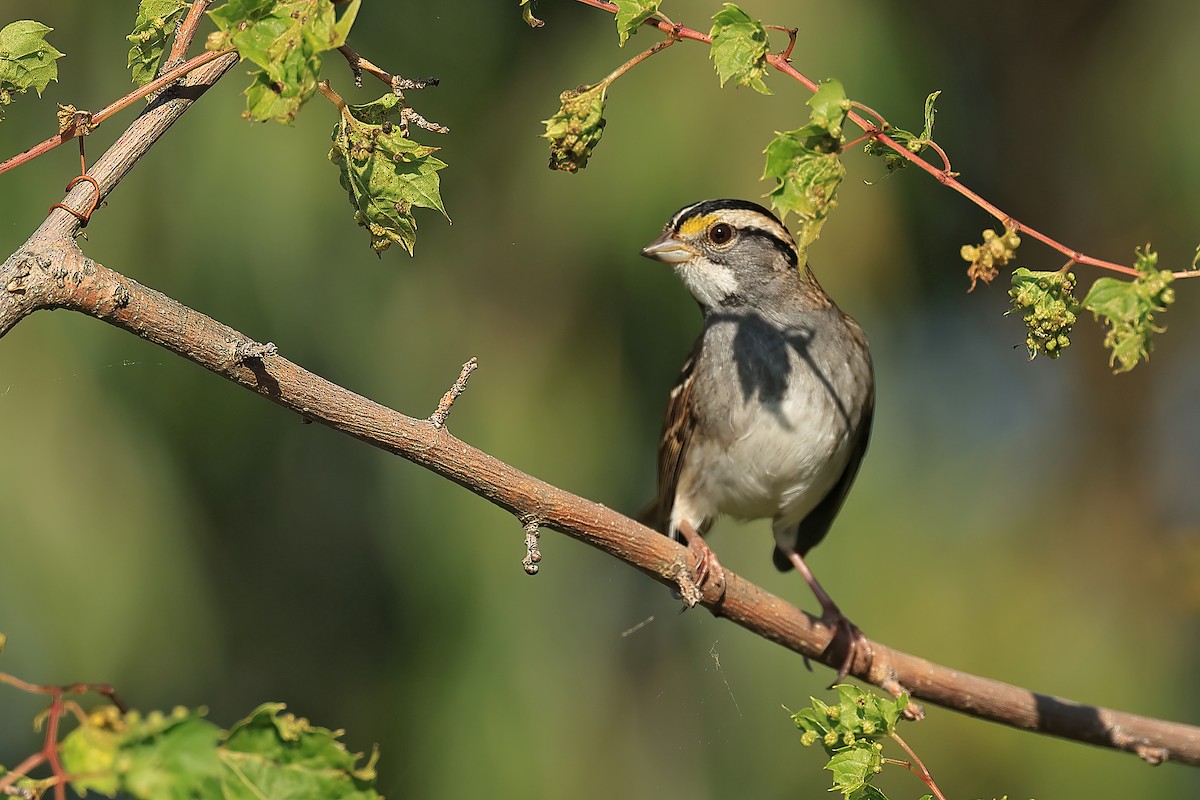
x: 727, y: 252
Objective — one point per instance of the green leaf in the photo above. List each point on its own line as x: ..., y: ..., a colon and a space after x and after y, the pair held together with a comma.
x: 872, y: 792
x: 1129, y: 309
x: 853, y: 767
x: 181, y: 755
x: 915, y: 143
x: 806, y: 182
x: 27, y: 60
x: 527, y: 14
x: 385, y: 173
x: 155, y: 21
x: 739, y: 48
x: 631, y: 14
x: 805, y: 163
x: 277, y: 755
x: 158, y: 756
x: 1047, y: 301
x: 284, y: 38
x: 576, y: 128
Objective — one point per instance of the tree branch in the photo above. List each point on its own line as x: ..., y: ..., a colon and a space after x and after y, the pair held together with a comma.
x: 50, y: 272
x: 56, y: 274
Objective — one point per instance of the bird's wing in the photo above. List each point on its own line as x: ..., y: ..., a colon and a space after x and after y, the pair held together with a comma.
x: 672, y: 447
x: 812, y: 529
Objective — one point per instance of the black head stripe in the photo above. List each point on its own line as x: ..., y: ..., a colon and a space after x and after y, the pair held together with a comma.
x: 709, y: 206
x: 786, y: 248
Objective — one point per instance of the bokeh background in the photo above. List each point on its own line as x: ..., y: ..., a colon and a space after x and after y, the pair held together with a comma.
x: 1035, y: 522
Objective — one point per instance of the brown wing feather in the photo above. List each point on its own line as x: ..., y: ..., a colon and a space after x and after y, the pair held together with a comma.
x: 812, y: 529
x: 672, y: 446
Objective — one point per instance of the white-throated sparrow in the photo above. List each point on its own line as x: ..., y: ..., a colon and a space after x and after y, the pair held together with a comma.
x: 772, y: 411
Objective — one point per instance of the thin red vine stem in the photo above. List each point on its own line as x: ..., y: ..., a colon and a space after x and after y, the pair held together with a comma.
x: 164, y: 80
x: 920, y: 770
x: 780, y: 62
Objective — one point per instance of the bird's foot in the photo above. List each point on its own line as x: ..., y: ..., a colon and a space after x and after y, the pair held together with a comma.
x: 707, y: 569
x: 845, y: 634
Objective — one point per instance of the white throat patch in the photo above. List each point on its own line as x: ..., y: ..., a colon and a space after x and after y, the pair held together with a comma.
x: 709, y: 283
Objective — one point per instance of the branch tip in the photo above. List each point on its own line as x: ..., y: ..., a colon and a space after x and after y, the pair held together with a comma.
x: 438, y: 418
x: 248, y: 350
x: 533, y: 555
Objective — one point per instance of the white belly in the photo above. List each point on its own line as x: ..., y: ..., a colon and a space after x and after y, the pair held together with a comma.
x: 781, y: 467
x: 775, y: 434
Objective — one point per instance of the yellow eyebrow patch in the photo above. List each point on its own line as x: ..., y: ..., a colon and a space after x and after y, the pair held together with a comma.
x: 696, y: 224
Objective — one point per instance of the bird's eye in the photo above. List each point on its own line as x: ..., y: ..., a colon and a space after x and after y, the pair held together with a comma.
x: 721, y: 233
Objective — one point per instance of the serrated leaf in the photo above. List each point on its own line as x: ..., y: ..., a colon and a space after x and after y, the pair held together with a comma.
x: 852, y: 767
x: 1129, y: 309
x: 631, y: 14
x: 829, y: 106
x: 27, y: 60
x: 275, y: 754
x: 180, y: 756
x: 930, y: 112
x: 284, y: 38
x: 806, y: 181
x: 158, y: 756
x: 155, y: 21
x: 739, y: 48
x: 871, y: 792
x: 575, y: 129
x: 527, y: 14
x: 385, y: 174
x: 913, y: 142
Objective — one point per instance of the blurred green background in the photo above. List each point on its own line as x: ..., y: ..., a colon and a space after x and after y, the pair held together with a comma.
x: 193, y: 544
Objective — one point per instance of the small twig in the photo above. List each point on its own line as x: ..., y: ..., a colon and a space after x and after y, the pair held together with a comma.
x: 533, y: 555
x: 937, y: 148
x: 185, y: 33
x: 943, y: 176
x: 247, y: 349
x: 137, y: 94
x: 359, y: 65
x: 920, y: 771
x: 640, y: 57
x: 883, y: 123
x: 48, y: 754
x: 791, y: 32
x: 438, y: 418
x: 332, y: 96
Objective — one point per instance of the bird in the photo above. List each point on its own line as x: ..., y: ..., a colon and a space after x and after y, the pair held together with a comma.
x: 772, y: 411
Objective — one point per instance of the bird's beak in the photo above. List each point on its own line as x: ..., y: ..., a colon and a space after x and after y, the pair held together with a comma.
x: 668, y: 250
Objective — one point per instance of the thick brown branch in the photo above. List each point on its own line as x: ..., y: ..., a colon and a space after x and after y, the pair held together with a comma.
x: 58, y: 275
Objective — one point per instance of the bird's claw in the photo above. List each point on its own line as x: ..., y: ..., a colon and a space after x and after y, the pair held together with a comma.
x: 845, y: 631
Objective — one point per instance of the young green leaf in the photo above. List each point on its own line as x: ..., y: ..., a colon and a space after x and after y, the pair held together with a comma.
x: 155, y: 21
x: 1129, y: 308
x: 631, y: 14
x: 527, y: 14
x: 385, y: 173
x: 915, y: 143
x: 285, y: 39
x: 275, y: 754
x: 576, y: 128
x: 805, y: 163
x: 739, y: 48
x: 852, y: 767
x: 182, y: 755
x: 27, y: 60
x: 153, y: 756
x: 1047, y: 301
